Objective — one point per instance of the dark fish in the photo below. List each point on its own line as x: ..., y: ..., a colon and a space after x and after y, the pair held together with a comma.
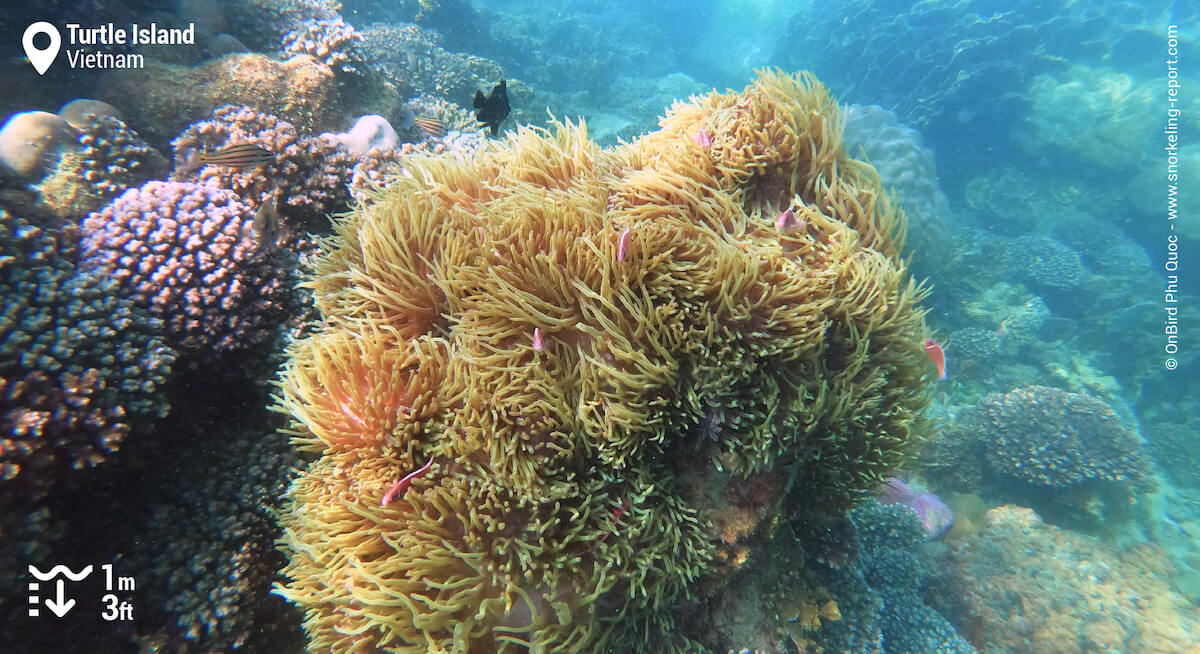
x: 242, y: 155
x: 493, y: 109
x: 266, y: 221
x: 432, y: 127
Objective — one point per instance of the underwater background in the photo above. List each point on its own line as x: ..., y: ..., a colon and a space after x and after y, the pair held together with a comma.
x: 330, y: 326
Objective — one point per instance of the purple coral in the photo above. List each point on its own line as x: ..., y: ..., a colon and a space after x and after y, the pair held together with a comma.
x: 187, y: 252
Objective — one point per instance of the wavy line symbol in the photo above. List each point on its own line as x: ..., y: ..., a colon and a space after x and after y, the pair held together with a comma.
x: 60, y: 570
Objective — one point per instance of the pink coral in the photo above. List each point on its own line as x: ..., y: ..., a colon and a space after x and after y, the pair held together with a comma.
x: 187, y: 252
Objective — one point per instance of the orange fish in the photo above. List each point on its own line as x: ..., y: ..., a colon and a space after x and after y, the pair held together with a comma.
x: 937, y: 356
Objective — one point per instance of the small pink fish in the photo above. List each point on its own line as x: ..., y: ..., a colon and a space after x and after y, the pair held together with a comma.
x: 623, y: 245
x: 786, y: 219
x: 703, y: 138
x: 937, y: 356
x: 537, y: 339
x: 399, y: 487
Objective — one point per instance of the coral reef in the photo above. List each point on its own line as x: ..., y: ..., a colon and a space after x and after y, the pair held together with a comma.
x: 640, y: 100
x: 170, y: 97
x: 78, y: 366
x: 1068, y: 455
x: 31, y: 141
x: 1017, y: 314
x: 1113, y: 119
x: 454, y: 117
x: 369, y: 132
x: 188, y: 254
x: 263, y: 23
x: 559, y: 394
x: 211, y: 576
x: 82, y: 113
x: 1172, y: 446
x: 905, y: 165
x: 1044, y: 263
x: 935, y: 516
x: 1106, y: 249
x: 1006, y: 196
x: 110, y: 158
x: 308, y: 177
x: 975, y: 348
x: 1024, y: 586
x: 413, y: 59
x: 878, y: 592
x: 333, y: 42
x: 309, y: 174
x: 1048, y: 437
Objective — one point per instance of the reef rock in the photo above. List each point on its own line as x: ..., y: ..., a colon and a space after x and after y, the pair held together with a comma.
x: 301, y: 89
x: 1025, y: 586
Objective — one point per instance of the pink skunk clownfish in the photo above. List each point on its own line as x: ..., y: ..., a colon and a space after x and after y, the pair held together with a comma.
x: 937, y: 356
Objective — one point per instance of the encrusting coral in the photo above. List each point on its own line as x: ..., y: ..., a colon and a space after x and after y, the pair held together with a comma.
x: 560, y: 392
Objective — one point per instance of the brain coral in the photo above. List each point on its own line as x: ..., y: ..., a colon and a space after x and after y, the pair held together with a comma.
x: 558, y: 391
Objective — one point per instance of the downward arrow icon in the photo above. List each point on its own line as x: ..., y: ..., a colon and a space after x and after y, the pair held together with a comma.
x: 61, y: 605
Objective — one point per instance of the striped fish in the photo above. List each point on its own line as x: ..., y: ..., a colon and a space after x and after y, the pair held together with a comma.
x: 242, y: 155
x: 432, y: 127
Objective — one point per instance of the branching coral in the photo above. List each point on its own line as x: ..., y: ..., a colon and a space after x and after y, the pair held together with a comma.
x: 333, y: 42
x: 618, y: 360
x: 79, y: 366
x: 188, y: 254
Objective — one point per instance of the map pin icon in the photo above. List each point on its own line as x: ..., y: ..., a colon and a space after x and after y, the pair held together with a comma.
x: 41, y: 59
